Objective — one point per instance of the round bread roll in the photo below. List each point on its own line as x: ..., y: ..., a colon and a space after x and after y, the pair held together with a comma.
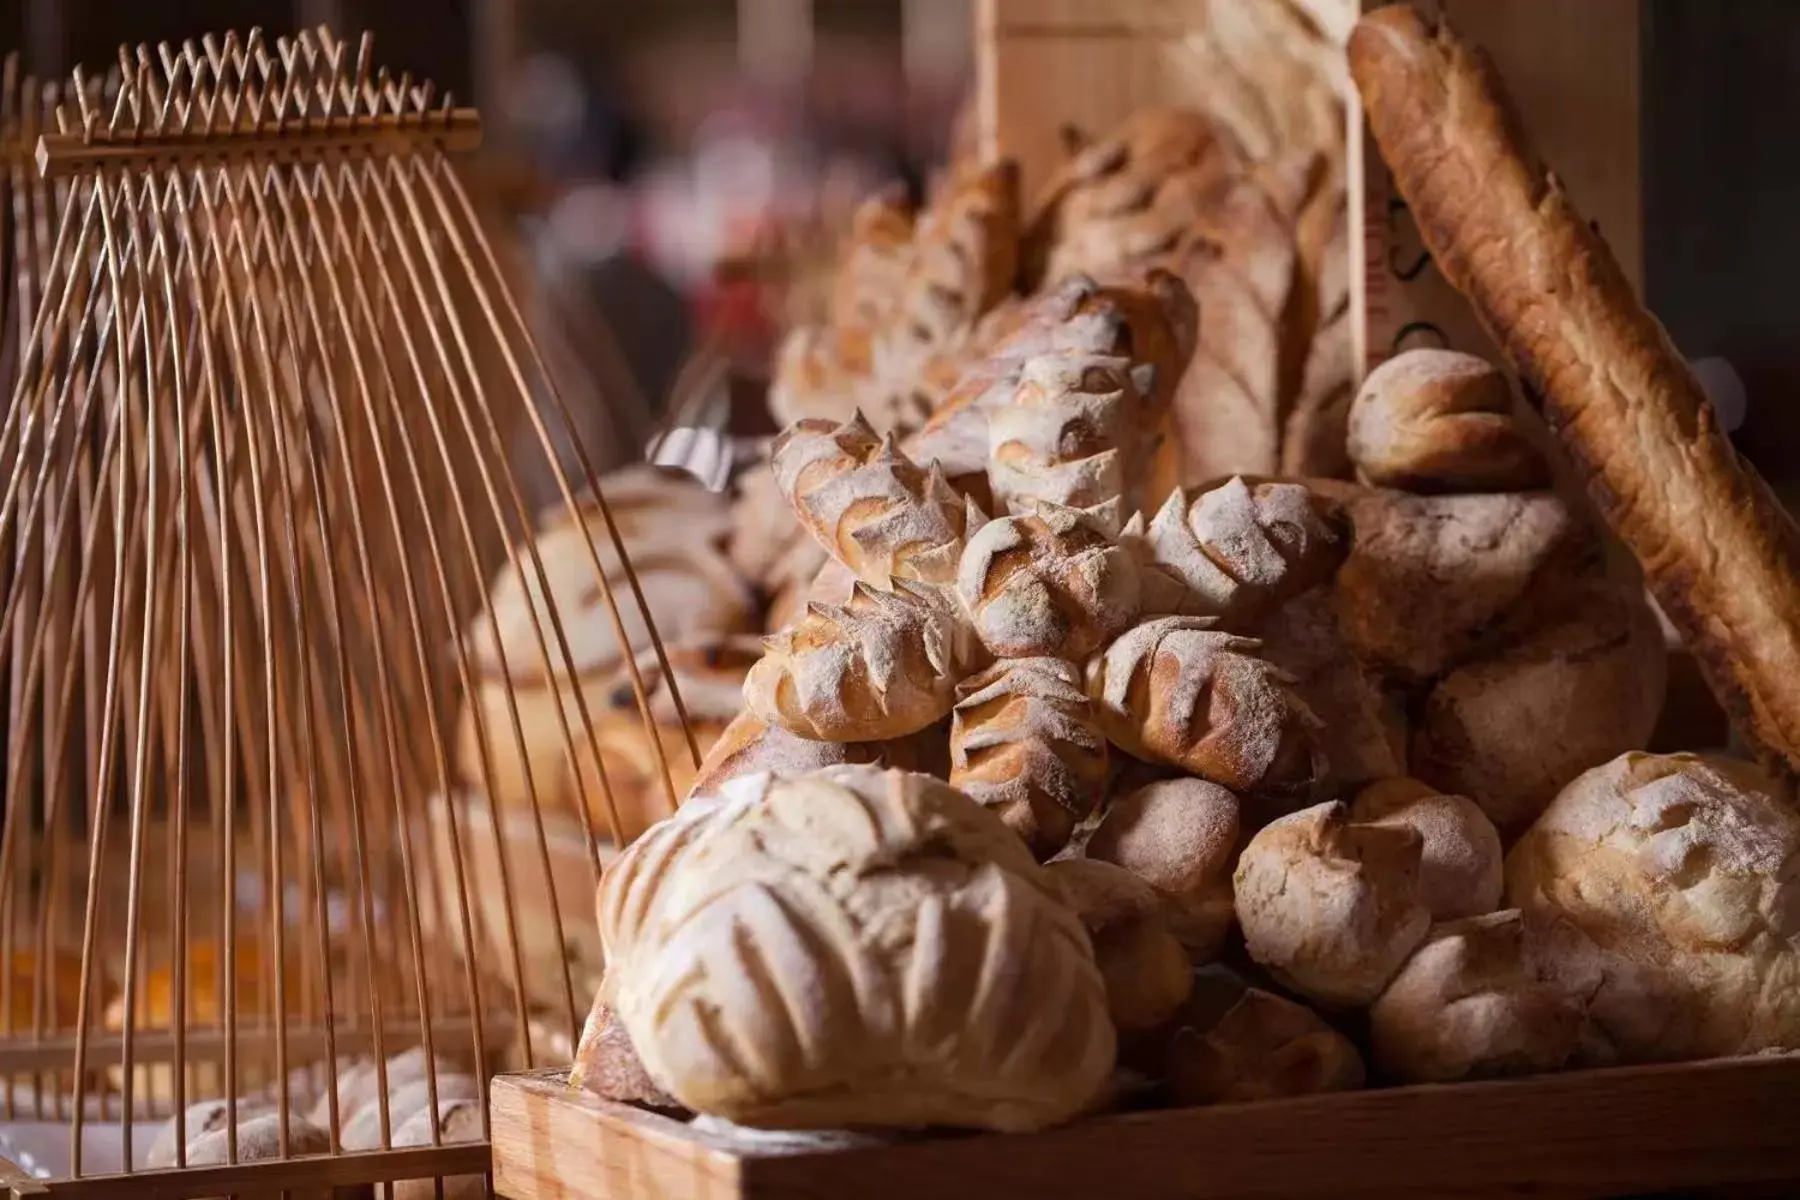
x: 258, y: 1139
x: 1511, y: 728
x: 1330, y: 906
x: 359, y: 1083
x: 1235, y: 1044
x: 201, y: 1117
x: 1442, y: 421
x: 1483, y: 997
x: 1180, y: 836
x: 1461, y: 864
x: 750, y: 746
x: 975, y: 1001
x: 1685, y: 872
x: 363, y: 1130
x: 454, y: 1121
x: 1048, y: 583
x: 1147, y: 971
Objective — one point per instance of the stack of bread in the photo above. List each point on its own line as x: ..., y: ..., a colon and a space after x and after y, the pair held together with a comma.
x: 1060, y: 788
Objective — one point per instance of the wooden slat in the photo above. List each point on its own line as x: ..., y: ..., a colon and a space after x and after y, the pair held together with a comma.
x: 1723, y: 1125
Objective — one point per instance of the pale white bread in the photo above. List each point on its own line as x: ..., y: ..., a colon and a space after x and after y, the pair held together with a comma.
x: 358, y: 1085
x: 258, y: 1138
x: 607, y: 1064
x: 869, y: 505
x: 453, y: 1121
x: 1175, y: 691
x: 1052, y: 582
x: 363, y: 1130
x: 1234, y: 1045
x: 1072, y: 433
x: 853, y: 948
x: 1685, y: 872
x: 199, y: 1118
x: 1362, y: 721
x: 1146, y: 968
x: 1236, y: 551
x: 1461, y: 865
x: 882, y: 666
x: 1483, y: 997
x: 1582, y: 687
x: 1442, y: 421
x: 1331, y: 906
x: 1429, y: 578
x: 1180, y: 836
x: 1023, y: 743
x: 752, y: 746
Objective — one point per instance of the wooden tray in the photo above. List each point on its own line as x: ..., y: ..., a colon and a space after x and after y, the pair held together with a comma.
x: 1730, y: 1126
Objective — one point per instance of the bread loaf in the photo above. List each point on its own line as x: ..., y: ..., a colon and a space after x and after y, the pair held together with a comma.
x: 1146, y: 969
x: 965, y: 256
x: 453, y: 1121
x: 1442, y: 421
x: 200, y: 1118
x: 1073, y: 433
x: 1511, y: 728
x: 363, y: 1130
x: 880, y: 667
x: 607, y: 1064
x: 1237, y: 552
x: 1428, y: 578
x: 873, y: 261
x: 1720, y: 554
x: 946, y: 984
x: 1235, y: 1045
x: 1483, y: 997
x: 1174, y: 691
x: 259, y: 1138
x: 1023, y: 743
x: 1329, y: 906
x: 1460, y: 861
x: 828, y: 373
x: 750, y: 745
x: 870, y: 506
x: 359, y: 1084
x: 1685, y: 873
x: 1049, y: 583
x: 1180, y: 836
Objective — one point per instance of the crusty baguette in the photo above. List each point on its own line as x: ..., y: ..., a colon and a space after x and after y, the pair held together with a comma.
x: 1719, y: 553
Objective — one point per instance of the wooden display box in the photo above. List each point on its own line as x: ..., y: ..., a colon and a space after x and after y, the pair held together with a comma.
x: 1724, y: 1127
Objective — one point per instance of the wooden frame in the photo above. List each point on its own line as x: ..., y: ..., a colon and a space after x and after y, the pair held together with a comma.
x: 1723, y: 1124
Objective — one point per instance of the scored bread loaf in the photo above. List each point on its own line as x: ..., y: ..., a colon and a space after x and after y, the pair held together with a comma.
x: 750, y: 745
x: 1460, y: 861
x: 1175, y: 691
x: 1442, y: 421
x: 1483, y: 997
x: 1719, y: 552
x: 873, y: 260
x: 1236, y: 552
x: 869, y: 505
x: 1048, y: 583
x: 1071, y: 434
x: 1331, y: 906
x: 1145, y: 967
x: 1179, y: 836
x: 965, y: 255
x: 1024, y: 744
x: 607, y: 1064
x: 950, y: 984
x: 1235, y: 1044
x: 882, y: 666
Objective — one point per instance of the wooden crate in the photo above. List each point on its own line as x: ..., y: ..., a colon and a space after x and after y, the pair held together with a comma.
x: 1725, y: 1127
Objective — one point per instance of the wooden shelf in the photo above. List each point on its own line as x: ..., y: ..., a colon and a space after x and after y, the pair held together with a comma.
x: 1727, y: 1125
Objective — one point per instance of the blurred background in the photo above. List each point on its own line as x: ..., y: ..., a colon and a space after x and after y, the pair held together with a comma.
x: 661, y: 159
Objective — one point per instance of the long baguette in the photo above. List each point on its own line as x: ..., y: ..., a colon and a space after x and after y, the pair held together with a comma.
x: 1720, y: 554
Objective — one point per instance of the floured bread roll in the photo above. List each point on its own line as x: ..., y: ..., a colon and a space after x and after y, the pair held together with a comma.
x: 1486, y: 996
x: 1175, y: 691
x: 1024, y: 744
x: 751, y: 746
x: 363, y: 1130
x: 1685, y: 872
x: 1512, y: 727
x: 1180, y: 836
x: 671, y: 531
x: 200, y: 1118
x: 1050, y: 583
x: 869, y: 505
x: 853, y: 948
x: 1235, y: 1044
x: 1330, y: 906
x: 1236, y: 552
x: 882, y: 666
x: 1442, y: 421
x: 453, y: 1121
x: 1460, y: 861
x: 1429, y: 577
x: 1146, y: 969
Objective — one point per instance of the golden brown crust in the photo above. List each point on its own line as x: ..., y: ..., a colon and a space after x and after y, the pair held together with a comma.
x: 1720, y: 555
x: 1442, y: 421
